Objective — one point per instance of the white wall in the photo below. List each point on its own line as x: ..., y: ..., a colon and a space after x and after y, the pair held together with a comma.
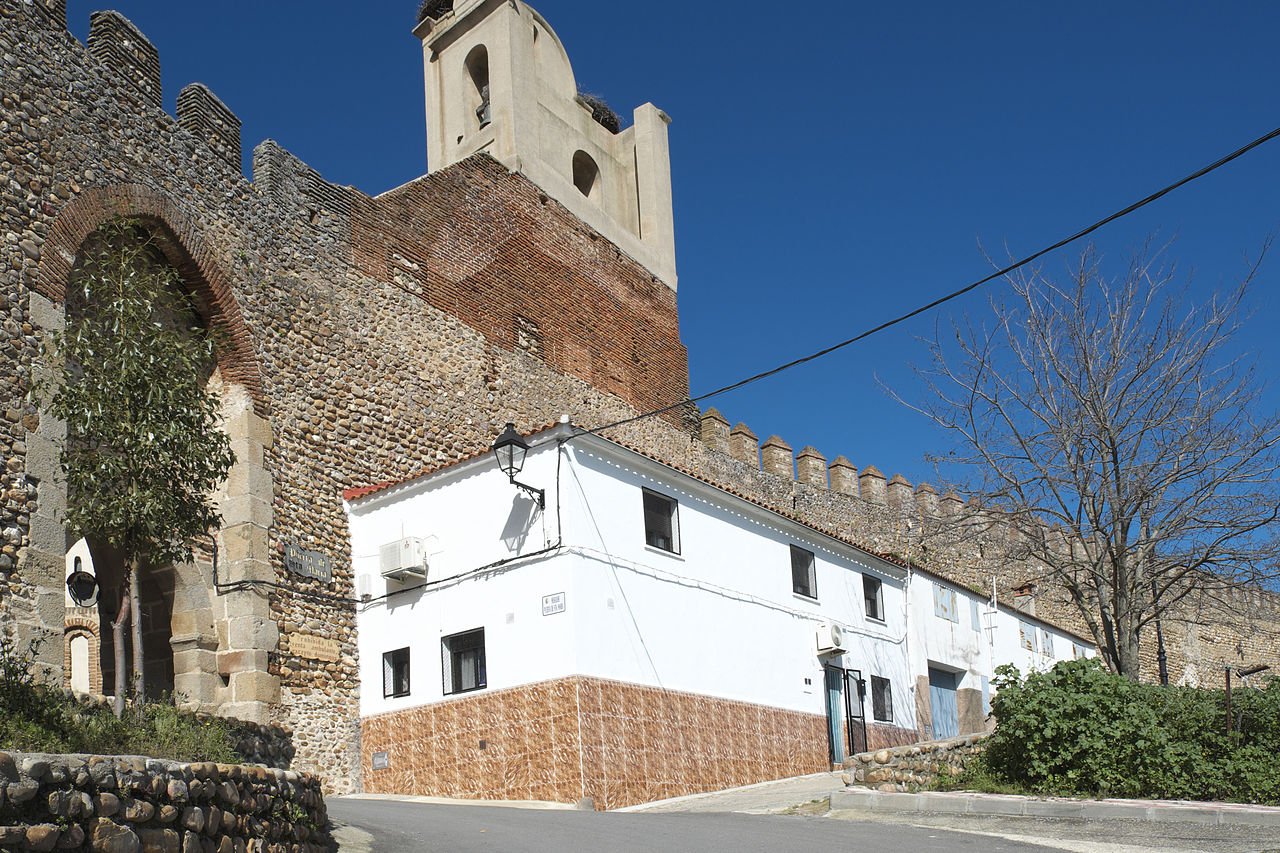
x: 718, y: 619
x: 975, y: 654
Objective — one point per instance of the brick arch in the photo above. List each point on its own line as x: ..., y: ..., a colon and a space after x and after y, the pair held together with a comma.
x: 79, y: 626
x: 181, y: 241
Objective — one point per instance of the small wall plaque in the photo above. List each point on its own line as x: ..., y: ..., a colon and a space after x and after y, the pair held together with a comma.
x: 310, y: 564
x: 552, y: 604
x: 381, y: 761
x: 313, y: 647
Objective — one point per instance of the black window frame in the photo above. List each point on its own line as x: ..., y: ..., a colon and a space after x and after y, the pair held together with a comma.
x: 808, y: 567
x: 877, y: 596
x: 881, y: 699
x: 665, y: 510
x: 395, y: 670
x: 453, y: 649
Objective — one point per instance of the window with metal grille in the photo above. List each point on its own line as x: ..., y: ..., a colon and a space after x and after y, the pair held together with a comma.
x: 661, y: 522
x: 464, y: 665
x: 881, y: 699
x: 395, y: 674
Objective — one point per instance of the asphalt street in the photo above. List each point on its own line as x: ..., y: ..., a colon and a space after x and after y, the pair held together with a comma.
x: 398, y: 827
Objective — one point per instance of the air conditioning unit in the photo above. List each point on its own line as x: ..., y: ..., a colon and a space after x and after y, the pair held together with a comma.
x: 404, y: 558
x: 830, y: 639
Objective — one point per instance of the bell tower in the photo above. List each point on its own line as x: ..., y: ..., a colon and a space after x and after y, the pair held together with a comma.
x: 498, y: 80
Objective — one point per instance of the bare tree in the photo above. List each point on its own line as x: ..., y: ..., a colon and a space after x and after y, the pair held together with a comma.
x: 1121, y: 431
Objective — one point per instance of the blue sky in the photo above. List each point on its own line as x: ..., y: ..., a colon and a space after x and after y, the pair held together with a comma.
x: 834, y: 164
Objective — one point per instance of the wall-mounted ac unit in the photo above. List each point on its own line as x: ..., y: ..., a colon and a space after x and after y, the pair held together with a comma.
x: 830, y: 639
x: 404, y: 558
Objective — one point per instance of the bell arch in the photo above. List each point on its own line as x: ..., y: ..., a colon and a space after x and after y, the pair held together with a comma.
x: 216, y: 631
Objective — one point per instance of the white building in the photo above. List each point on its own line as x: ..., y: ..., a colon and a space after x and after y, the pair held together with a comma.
x: 642, y: 634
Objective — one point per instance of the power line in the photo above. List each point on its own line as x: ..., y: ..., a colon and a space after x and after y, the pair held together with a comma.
x: 1084, y: 232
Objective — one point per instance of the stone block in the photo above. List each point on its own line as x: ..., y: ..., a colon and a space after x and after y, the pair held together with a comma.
x: 251, y: 632
x: 242, y: 660
x: 247, y: 687
x: 243, y: 542
x: 246, y: 509
x: 246, y: 478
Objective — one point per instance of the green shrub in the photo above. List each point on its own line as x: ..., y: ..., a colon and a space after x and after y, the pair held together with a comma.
x: 37, y: 718
x: 1077, y: 729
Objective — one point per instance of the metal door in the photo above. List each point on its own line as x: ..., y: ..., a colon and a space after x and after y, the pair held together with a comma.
x: 846, y: 714
x: 942, y: 702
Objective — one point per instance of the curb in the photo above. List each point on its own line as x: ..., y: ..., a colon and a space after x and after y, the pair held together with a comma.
x: 1155, y: 811
x: 707, y: 795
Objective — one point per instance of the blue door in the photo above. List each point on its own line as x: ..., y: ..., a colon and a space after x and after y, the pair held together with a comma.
x: 942, y: 700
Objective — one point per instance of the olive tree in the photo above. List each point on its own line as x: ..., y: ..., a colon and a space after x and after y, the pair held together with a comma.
x: 1121, y: 430
x: 144, y: 451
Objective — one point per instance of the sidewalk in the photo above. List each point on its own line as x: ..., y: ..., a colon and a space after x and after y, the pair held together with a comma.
x: 1155, y: 811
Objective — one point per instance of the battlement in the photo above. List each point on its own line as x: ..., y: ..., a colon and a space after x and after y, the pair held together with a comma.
x: 809, y: 468
x: 298, y: 188
x: 210, y: 121
x: 121, y: 47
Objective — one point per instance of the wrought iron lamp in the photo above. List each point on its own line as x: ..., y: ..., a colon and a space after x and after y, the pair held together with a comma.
x: 510, y: 450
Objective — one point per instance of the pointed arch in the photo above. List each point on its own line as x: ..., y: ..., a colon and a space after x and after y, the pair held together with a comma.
x: 184, y: 247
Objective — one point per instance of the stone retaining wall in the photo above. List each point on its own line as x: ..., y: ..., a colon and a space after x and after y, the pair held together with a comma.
x: 131, y: 804
x: 919, y: 765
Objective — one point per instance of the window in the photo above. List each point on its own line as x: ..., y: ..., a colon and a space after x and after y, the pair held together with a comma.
x: 661, y: 523
x: 586, y: 174
x: 871, y: 598
x: 1078, y: 651
x: 1027, y: 635
x: 986, y: 696
x: 1046, y: 642
x: 477, y: 64
x: 803, y: 581
x: 881, y: 699
x: 464, y: 668
x: 944, y: 603
x: 975, y: 614
x: 395, y: 674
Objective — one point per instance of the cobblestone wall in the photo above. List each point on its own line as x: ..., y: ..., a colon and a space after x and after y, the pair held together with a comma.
x: 906, y: 768
x: 124, y: 804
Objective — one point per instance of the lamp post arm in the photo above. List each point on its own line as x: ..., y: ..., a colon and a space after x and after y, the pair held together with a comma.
x: 539, y: 494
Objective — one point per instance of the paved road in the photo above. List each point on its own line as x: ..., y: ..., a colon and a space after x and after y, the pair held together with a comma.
x: 398, y: 827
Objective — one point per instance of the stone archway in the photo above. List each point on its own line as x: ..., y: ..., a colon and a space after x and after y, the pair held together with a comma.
x: 219, y: 628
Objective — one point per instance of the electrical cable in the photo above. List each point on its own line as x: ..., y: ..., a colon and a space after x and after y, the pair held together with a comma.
x: 1084, y: 232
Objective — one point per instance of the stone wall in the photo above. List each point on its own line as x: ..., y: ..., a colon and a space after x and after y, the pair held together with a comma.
x: 342, y: 334
x: 906, y: 768
x: 124, y: 804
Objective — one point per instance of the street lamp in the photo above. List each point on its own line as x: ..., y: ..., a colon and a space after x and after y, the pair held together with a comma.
x: 82, y: 587
x: 510, y: 450
x: 1243, y: 672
